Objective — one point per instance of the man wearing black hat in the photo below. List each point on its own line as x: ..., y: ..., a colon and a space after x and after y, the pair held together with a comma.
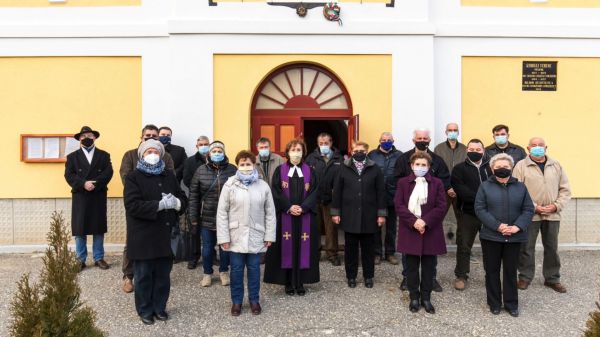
x: 88, y: 171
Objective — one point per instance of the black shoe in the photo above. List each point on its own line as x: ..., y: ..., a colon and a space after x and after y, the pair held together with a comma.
x: 428, y: 306
x: 192, y: 264
x: 403, y: 285
x: 336, y: 261
x: 513, y: 312
x: 148, y: 320
x: 301, y: 291
x: 352, y: 282
x: 369, y: 283
x: 162, y: 316
x: 495, y: 311
x: 289, y: 290
x: 414, y: 306
x: 82, y: 266
x: 437, y: 287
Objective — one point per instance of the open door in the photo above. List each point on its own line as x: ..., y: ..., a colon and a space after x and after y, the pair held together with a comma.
x: 352, y: 132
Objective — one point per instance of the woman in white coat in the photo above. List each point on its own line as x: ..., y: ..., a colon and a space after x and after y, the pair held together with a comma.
x: 246, y: 228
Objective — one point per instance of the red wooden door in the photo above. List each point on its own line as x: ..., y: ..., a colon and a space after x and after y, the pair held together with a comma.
x: 352, y: 132
x: 280, y: 130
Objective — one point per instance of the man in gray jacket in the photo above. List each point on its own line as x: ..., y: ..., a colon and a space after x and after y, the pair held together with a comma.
x: 267, y: 161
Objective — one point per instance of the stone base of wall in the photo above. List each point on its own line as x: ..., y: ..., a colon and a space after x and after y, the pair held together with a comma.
x: 26, y: 221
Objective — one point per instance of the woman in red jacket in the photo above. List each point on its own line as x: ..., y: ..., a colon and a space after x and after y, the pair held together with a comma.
x: 421, y: 205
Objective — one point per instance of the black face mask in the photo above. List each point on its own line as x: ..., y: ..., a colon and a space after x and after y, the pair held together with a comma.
x: 87, y: 142
x: 359, y: 156
x: 474, y: 156
x: 422, y: 146
x: 502, y: 172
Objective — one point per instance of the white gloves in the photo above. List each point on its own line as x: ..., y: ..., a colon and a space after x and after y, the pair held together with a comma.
x: 169, y: 201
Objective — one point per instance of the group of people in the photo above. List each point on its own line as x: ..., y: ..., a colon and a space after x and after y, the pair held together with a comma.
x: 273, y: 210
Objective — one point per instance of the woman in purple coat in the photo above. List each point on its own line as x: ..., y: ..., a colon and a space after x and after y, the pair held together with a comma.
x: 421, y: 205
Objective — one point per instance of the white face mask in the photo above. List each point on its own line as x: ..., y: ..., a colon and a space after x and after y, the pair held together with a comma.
x: 246, y: 171
x: 152, y: 158
x: 295, y: 157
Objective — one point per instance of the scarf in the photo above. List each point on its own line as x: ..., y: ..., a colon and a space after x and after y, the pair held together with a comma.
x: 155, y: 169
x: 418, y: 197
x: 247, y: 179
x: 360, y: 165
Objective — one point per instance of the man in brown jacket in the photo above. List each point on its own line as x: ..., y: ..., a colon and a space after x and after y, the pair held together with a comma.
x: 128, y: 164
x: 549, y: 188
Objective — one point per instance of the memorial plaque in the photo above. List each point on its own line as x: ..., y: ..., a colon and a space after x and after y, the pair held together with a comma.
x: 539, y: 75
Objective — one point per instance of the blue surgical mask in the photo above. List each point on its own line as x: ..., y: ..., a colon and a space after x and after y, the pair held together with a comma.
x: 217, y: 157
x: 264, y: 153
x: 325, y: 149
x: 387, y: 145
x: 420, y: 171
x: 453, y: 135
x: 501, y: 140
x: 165, y: 139
x: 203, y: 149
x: 538, y: 151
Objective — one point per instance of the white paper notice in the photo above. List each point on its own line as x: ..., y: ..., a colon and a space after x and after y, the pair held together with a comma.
x: 71, y: 146
x: 35, y: 147
x: 51, y: 148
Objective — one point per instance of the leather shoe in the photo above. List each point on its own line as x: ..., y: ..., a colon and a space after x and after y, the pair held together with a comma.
x: 428, y: 306
x: 495, y: 311
x: 192, y: 264
x: 148, y: 320
x: 162, y: 316
x: 369, y: 283
x: 289, y: 290
x: 335, y: 261
x: 522, y: 284
x: 101, y: 264
x: 82, y: 266
x: 513, y: 312
x: 403, y: 284
x: 392, y: 259
x: 127, y: 285
x: 236, y: 309
x: 414, y: 306
x: 301, y: 291
x: 255, y: 308
x: 559, y: 288
x: 437, y: 287
x: 352, y: 282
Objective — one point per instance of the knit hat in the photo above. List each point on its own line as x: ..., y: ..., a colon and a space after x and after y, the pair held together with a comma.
x: 218, y: 144
x: 151, y: 144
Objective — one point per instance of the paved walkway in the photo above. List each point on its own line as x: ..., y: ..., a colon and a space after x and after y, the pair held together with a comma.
x: 330, y: 308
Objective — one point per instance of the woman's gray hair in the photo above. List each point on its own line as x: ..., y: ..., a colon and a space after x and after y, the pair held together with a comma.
x: 502, y: 156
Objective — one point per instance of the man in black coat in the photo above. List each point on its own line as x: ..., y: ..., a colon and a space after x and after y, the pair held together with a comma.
x: 326, y: 162
x: 88, y: 171
x: 438, y: 169
x: 502, y: 145
x: 466, y: 178
x: 177, y: 152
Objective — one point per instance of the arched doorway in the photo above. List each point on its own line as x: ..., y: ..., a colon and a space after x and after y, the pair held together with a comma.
x: 302, y: 100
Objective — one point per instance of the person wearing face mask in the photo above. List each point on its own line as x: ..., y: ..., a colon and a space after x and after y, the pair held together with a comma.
x: 421, y: 206
x: 267, y: 161
x: 437, y: 168
x: 502, y: 145
x: 177, y: 152
x: 129, y: 164
x: 205, y: 189
x: 192, y: 233
x: 293, y: 259
x: 359, y: 208
x: 466, y: 178
x: 153, y: 200
x: 88, y: 171
x: 326, y: 161
x: 549, y: 188
x: 245, y: 228
x: 385, y: 157
x: 505, y: 208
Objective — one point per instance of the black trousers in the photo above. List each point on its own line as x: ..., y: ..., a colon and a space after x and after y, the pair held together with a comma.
x: 389, y: 243
x: 420, y: 284
x: 468, y: 227
x: 152, y: 279
x: 505, y: 255
x: 367, y: 254
x: 127, y: 267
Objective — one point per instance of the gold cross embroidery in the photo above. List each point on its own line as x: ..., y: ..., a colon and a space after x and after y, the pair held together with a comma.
x: 305, y: 236
x: 287, y: 235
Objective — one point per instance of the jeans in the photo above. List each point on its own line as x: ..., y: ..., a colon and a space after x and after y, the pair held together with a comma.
x: 97, y: 247
x: 209, y: 240
x: 152, y: 279
x: 251, y: 262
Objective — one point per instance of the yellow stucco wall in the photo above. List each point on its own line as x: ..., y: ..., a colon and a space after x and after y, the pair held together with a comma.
x: 69, y: 3
x: 368, y: 79
x: 528, y: 3
x: 567, y: 118
x: 342, y: 1
x: 56, y: 95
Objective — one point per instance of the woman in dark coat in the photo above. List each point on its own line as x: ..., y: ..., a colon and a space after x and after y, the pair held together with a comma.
x: 293, y: 259
x: 205, y: 189
x: 153, y: 200
x: 359, y: 207
x: 505, y: 208
x: 421, y: 206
